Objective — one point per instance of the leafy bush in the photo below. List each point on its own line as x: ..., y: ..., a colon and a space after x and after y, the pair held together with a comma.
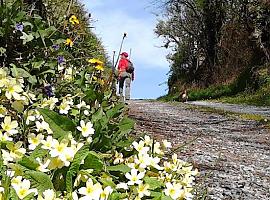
x: 63, y: 134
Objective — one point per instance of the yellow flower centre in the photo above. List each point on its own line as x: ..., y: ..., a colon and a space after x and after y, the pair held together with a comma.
x: 7, y: 127
x: 172, y: 191
x: 84, y: 129
x: 22, y: 192
x: 60, y: 148
x: 90, y: 190
x: 11, y: 89
x: 34, y: 140
x: 134, y: 178
x: 103, y: 195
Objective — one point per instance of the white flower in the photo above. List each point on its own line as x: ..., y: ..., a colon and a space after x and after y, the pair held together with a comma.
x: 143, y: 190
x: 4, y: 137
x: 105, y: 193
x: 58, y: 149
x: 154, y: 162
x: 6, y: 157
x: 3, y: 111
x: 16, y: 181
x: 86, y: 112
x: 91, y: 191
x: 168, y: 166
x: 13, y: 89
x: 68, y: 74
x: 173, y: 190
x: 48, y: 143
x: 81, y: 105
x: 140, y: 147
x: 65, y: 106
x: 187, y: 193
x: 48, y: 195
x: 175, y: 159
x: 134, y: 177
x: 50, y: 102
x: 30, y: 118
x: 86, y: 129
x: 34, y: 140
x: 80, y: 177
x: 122, y: 186
x: 147, y: 140
x: 56, y: 163
x: 157, y: 149
x: 23, y: 189
x: 43, y: 166
x: 118, y: 158
x: 9, y: 126
x: 1, y: 191
x: 16, y: 152
x: 74, y: 196
x: 167, y: 144
x: 43, y: 126
x: 143, y: 160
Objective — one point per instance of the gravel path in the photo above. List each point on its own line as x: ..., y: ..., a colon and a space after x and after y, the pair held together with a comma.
x: 235, y: 152
x: 264, y: 111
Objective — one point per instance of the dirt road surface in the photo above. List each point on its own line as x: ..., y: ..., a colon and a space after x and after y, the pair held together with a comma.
x: 235, y: 153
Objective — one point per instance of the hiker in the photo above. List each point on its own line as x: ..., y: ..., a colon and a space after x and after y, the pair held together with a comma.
x: 184, y: 96
x: 125, y: 75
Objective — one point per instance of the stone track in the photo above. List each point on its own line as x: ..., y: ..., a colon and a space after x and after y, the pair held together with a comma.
x: 234, y: 153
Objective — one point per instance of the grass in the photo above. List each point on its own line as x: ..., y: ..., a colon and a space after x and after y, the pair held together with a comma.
x: 259, y: 98
x: 242, y: 91
x: 254, y: 117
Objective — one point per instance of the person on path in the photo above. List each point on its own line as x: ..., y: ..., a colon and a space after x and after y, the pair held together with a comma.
x: 124, y: 77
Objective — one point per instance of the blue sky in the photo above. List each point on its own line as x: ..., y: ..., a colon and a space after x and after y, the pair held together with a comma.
x: 114, y: 17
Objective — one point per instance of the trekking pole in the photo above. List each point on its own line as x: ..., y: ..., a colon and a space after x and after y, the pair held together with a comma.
x: 124, y: 36
x: 130, y: 53
x: 113, y: 60
x: 114, y: 64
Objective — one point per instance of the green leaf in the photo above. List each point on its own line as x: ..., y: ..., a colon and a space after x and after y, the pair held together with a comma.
x: 126, y: 124
x: 23, y: 73
x: 119, y: 168
x: 2, y: 51
x: 27, y: 24
x: 154, y: 183
x: 98, y: 115
x: 50, y: 71
x: 32, y: 79
x: 115, y: 111
x: 18, y: 106
x: 39, y: 180
x: 164, y: 197
x: 60, y: 125
x: 69, y: 182
x: 92, y: 161
x: 90, y: 95
x: 29, y: 163
x: 156, y: 195
x: 115, y: 196
x: 13, y: 195
x: 26, y: 38
x: 75, y: 166
x: 38, y: 64
x: 124, y: 143
x: 38, y: 152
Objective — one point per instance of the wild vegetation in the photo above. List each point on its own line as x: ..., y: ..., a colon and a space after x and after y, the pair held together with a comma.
x: 64, y: 135
x: 219, y: 48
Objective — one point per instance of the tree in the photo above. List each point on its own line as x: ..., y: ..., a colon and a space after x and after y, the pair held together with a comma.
x: 213, y: 37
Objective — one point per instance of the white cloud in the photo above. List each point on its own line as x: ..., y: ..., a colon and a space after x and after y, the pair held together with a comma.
x: 111, y: 25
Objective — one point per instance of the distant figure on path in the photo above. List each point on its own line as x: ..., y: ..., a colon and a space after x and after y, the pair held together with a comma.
x: 184, y: 96
x: 125, y: 75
